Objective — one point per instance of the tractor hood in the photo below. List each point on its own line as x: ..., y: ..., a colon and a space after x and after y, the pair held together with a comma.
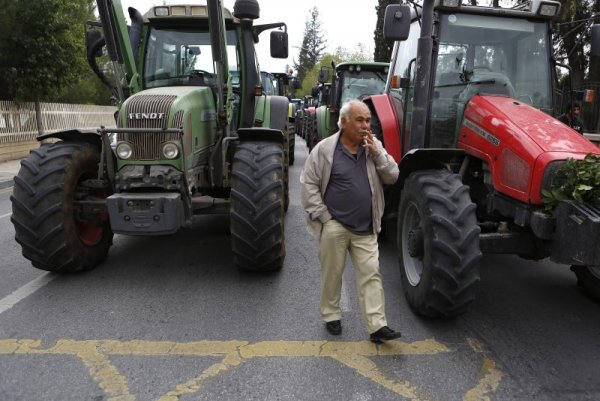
x: 512, y: 120
x: 165, y: 107
x: 518, y: 142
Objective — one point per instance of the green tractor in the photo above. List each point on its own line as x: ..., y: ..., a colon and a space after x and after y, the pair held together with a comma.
x: 281, y: 84
x: 351, y: 80
x: 195, y: 135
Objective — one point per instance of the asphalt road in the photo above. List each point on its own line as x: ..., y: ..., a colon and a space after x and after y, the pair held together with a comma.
x: 169, y: 318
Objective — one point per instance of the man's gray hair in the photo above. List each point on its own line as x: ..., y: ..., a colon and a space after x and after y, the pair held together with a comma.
x: 346, y: 109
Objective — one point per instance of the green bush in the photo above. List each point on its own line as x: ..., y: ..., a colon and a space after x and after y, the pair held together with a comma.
x: 577, y: 180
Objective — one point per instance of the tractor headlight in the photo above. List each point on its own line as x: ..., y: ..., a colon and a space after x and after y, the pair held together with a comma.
x: 161, y: 11
x: 170, y: 150
x: 548, y: 9
x: 124, y: 150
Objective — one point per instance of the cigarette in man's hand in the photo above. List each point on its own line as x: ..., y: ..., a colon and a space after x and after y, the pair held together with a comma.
x: 365, y: 134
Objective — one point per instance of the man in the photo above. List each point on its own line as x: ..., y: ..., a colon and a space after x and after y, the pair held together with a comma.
x: 571, y: 117
x: 342, y: 193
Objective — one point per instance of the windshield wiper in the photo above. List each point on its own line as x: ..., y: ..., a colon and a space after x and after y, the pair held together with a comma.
x: 380, y: 76
x: 486, y: 81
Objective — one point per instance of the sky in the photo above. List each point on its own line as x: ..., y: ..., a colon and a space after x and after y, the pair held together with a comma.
x: 344, y: 23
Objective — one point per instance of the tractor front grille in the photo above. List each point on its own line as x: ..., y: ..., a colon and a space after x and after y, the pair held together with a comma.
x: 148, y: 145
x: 150, y: 111
x: 143, y: 111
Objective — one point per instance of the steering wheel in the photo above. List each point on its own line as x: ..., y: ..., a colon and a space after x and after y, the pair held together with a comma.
x: 526, y: 98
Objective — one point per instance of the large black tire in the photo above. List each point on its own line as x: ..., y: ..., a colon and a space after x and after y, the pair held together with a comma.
x: 286, y: 171
x: 310, y: 132
x: 438, y: 244
x: 257, y: 206
x: 292, y: 143
x: 55, y: 234
x: 306, y: 132
x: 588, y: 278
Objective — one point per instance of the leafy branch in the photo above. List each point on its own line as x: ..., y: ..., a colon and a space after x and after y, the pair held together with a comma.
x: 578, y: 180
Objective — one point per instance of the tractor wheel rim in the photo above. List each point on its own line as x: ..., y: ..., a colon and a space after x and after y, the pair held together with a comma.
x: 91, y: 230
x: 90, y: 233
x: 413, y: 266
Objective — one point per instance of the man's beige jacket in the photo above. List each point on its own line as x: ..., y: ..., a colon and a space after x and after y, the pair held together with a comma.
x: 314, y: 179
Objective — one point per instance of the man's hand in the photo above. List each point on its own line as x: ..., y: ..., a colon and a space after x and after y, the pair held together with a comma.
x: 369, y: 143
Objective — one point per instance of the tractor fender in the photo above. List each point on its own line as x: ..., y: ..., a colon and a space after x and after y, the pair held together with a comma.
x: 271, y: 112
x: 279, y: 111
x: 427, y: 159
x: 75, y: 135
x: 323, y: 122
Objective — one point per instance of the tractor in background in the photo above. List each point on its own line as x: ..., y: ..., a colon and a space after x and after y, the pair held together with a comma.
x: 350, y: 80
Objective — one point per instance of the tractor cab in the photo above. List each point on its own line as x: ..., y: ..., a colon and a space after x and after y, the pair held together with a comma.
x: 356, y: 80
x: 477, y: 50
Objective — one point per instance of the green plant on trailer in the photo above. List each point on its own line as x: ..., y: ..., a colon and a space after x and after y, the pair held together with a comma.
x: 577, y: 180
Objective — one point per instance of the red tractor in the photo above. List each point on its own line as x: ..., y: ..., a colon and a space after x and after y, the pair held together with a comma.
x: 469, y: 114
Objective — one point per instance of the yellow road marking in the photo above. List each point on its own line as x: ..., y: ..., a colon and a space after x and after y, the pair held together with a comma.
x: 355, y: 355
x: 194, y: 385
x: 490, y: 377
x: 109, y: 379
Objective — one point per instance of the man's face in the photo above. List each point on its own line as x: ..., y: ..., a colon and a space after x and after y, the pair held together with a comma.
x: 575, y: 112
x: 359, y: 124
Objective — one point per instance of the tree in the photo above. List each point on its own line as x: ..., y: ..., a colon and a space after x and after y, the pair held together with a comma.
x: 313, y: 44
x: 359, y: 53
x: 383, y: 48
x: 574, y: 34
x: 313, y: 74
x: 42, y: 48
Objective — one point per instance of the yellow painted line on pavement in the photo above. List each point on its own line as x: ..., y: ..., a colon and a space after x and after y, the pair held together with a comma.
x: 192, y: 386
x: 102, y: 371
x: 355, y: 355
x: 490, y: 376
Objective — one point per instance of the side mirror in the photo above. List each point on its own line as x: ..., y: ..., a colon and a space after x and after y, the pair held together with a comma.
x: 396, y: 23
x: 279, y: 44
x: 92, y: 37
x: 324, y: 74
x: 595, y: 42
x: 195, y: 50
x: 246, y: 9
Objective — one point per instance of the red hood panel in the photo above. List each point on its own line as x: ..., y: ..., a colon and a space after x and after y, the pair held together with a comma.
x: 522, y: 119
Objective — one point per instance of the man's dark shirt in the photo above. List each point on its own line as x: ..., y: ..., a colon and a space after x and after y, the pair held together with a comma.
x: 574, y: 122
x: 348, y: 193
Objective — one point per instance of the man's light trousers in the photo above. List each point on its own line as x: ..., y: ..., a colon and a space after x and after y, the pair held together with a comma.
x: 335, y: 242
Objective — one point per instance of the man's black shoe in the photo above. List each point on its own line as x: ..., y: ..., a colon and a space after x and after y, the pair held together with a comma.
x: 384, y: 334
x: 334, y: 327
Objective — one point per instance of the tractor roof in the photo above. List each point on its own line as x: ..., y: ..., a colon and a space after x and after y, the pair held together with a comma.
x: 181, y: 11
